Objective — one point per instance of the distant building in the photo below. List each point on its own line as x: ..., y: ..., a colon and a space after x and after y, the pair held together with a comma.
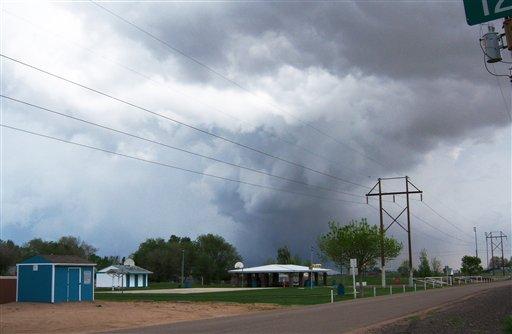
x: 126, y: 275
x: 54, y: 279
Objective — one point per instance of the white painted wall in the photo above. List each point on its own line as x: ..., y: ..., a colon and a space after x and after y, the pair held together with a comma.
x: 104, y: 280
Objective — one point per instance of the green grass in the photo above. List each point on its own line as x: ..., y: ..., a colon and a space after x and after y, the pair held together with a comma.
x: 456, y: 321
x: 170, y: 285
x: 280, y: 296
x: 507, y: 325
x: 369, y: 279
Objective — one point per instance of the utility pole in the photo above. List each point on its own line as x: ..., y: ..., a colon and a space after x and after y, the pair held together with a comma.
x: 311, y: 272
x: 383, y: 211
x: 487, y: 251
x: 382, y: 258
x: 182, y: 267
x: 495, y: 245
x: 476, y: 243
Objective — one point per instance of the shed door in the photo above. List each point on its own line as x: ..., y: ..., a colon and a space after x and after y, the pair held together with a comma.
x: 73, y: 284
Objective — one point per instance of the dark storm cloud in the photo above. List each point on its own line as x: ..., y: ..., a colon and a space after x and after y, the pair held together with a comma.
x: 422, y: 46
x: 399, y: 40
x: 405, y: 78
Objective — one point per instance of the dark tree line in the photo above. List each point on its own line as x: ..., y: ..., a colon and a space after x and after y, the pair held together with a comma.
x: 208, y: 258
x: 10, y: 253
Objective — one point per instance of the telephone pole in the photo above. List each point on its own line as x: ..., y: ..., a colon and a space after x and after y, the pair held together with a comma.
x: 378, y: 186
x: 487, y: 251
x: 496, y: 245
x: 476, y: 243
x: 182, y: 267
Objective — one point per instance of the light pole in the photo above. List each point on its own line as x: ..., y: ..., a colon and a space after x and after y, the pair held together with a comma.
x: 476, y: 243
x: 240, y: 265
x: 182, y: 266
x: 311, y: 272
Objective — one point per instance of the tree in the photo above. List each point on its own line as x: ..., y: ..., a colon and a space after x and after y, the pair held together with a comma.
x: 154, y: 255
x: 283, y: 255
x: 215, y: 256
x: 164, y: 258
x: 67, y: 245
x: 498, y: 263
x: 357, y: 240
x: 424, y: 266
x: 436, y: 267
x: 403, y: 270
x: 298, y: 260
x: 471, y: 265
x: 10, y: 254
x: 105, y: 261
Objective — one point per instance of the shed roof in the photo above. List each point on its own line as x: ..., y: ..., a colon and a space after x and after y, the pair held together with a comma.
x: 277, y: 268
x: 124, y: 269
x: 58, y: 259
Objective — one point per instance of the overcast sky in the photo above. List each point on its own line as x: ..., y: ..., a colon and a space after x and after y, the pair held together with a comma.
x: 352, y: 91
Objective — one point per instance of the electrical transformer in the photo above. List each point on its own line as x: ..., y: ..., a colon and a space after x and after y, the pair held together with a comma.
x: 491, y: 45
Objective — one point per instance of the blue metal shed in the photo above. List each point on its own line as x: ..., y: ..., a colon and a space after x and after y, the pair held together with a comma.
x: 54, y: 279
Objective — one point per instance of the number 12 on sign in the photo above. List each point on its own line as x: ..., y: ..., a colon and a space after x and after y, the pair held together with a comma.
x: 480, y: 11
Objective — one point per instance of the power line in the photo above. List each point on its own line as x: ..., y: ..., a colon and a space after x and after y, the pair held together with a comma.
x: 507, y: 108
x: 436, y: 228
x: 173, y: 166
x: 421, y: 231
x: 138, y: 73
x: 204, y: 65
x: 183, y: 123
x: 442, y: 217
x: 179, y: 149
x: 179, y: 122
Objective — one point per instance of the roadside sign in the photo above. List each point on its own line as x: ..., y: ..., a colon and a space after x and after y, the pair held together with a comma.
x: 480, y: 11
x: 354, y: 271
x: 353, y: 263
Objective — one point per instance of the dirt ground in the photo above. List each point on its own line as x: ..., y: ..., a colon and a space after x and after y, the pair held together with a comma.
x: 482, y: 313
x: 105, y: 316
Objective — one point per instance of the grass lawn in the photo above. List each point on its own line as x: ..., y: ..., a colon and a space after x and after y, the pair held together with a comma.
x: 280, y: 296
x: 170, y: 285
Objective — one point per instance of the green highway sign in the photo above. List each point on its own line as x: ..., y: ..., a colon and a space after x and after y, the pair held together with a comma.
x: 480, y: 11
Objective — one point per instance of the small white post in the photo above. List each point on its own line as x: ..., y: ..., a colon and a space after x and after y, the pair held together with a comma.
x: 390, y: 289
x: 425, y: 285
x: 374, y: 291
x: 354, y: 283
x: 403, y: 286
x: 332, y: 296
x: 433, y: 284
x: 353, y: 266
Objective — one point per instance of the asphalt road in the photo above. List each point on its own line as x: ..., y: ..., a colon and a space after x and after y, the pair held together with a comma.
x: 326, y: 318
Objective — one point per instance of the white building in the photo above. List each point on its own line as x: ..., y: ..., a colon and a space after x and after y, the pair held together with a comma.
x: 127, y: 275
x: 278, y: 275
